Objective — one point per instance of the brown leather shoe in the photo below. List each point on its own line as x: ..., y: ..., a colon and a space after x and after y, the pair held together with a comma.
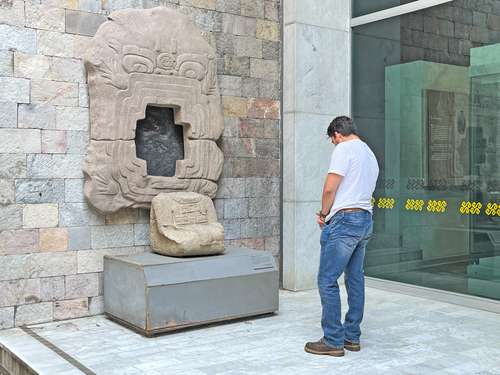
x: 352, y: 346
x: 319, y: 347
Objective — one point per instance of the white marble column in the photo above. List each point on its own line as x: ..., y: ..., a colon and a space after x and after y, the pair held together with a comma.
x: 316, y: 88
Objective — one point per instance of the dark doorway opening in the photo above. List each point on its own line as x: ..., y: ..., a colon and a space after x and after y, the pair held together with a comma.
x: 159, y: 141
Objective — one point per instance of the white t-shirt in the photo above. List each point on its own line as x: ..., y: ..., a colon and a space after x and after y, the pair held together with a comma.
x: 356, y: 162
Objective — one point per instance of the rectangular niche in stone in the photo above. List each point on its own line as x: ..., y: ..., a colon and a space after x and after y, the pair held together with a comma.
x: 159, y: 141
x: 152, y: 58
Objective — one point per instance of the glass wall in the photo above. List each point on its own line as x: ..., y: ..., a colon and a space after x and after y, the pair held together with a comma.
x: 426, y: 98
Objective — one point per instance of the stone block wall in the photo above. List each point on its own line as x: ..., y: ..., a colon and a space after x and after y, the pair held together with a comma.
x: 446, y: 33
x: 51, y: 241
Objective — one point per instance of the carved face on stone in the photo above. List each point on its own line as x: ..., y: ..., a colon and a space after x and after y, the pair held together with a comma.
x: 154, y: 57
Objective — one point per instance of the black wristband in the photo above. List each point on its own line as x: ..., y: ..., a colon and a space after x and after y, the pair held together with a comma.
x: 322, y: 215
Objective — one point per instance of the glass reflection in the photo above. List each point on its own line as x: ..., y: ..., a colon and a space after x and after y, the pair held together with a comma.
x: 426, y: 95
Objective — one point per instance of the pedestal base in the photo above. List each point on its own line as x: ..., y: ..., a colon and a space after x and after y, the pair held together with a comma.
x: 151, y: 293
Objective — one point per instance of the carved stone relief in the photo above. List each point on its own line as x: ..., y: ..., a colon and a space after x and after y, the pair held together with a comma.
x: 185, y: 224
x: 154, y: 57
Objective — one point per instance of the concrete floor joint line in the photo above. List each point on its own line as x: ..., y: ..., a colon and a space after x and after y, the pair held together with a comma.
x: 45, y: 342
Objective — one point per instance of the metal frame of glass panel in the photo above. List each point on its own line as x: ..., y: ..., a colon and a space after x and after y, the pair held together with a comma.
x: 395, y: 11
x: 474, y: 302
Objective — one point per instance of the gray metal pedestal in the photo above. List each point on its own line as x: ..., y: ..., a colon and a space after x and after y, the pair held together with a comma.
x: 151, y: 293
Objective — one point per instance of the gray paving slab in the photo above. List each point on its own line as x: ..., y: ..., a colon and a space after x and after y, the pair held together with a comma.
x: 401, y: 335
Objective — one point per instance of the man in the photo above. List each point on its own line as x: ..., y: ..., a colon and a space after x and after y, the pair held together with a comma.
x: 346, y: 222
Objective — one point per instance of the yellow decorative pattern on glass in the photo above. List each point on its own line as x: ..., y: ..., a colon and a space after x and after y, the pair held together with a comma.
x: 470, y: 208
x: 414, y: 204
x: 436, y: 206
x: 386, y: 203
x: 492, y: 209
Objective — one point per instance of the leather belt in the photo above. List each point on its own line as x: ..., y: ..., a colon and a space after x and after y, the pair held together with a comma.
x: 355, y: 209
x: 351, y: 209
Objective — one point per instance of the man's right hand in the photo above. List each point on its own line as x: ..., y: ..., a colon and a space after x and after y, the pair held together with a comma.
x: 320, y: 221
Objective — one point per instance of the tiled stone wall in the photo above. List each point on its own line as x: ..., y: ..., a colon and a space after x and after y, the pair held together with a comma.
x: 446, y: 33
x: 51, y: 241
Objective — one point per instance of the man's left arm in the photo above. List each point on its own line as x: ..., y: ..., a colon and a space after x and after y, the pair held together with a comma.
x: 330, y: 187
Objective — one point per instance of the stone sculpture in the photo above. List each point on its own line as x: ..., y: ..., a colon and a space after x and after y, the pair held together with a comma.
x: 185, y: 224
x: 154, y: 57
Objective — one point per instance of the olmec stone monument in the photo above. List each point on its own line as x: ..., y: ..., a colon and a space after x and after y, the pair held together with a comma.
x: 144, y: 58
x: 140, y: 58
x: 143, y: 66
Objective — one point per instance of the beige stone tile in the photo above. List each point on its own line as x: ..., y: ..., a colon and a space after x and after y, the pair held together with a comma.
x: 19, y: 292
x: 268, y: 30
x: 234, y: 106
x: 54, y: 142
x: 18, y: 241
x: 52, y: 288
x: 44, y: 16
x: 70, y: 309
x: 6, y: 192
x: 264, y: 109
x: 53, y: 239
x: 12, y: 13
x: 43, y: 215
x: 54, y: 93
x: 34, y: 313
x: 92, y: 260
x: 82, y: 285
x: 54, y: 43
x: 6, y: 317
x: 50, y: 264
x: 205, y: 4
x: 20, y: 141
x: 123, y: 216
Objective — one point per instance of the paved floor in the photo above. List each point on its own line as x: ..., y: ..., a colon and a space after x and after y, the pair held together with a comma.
x: 402, y: 335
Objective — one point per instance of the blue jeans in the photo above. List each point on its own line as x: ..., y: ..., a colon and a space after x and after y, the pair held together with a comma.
x: 343, y: 244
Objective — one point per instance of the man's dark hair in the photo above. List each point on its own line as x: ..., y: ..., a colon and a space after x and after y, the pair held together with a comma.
x: 343, y: 125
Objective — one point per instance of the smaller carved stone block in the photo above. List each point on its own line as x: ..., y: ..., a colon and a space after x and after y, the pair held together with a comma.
x: 185, y: 224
